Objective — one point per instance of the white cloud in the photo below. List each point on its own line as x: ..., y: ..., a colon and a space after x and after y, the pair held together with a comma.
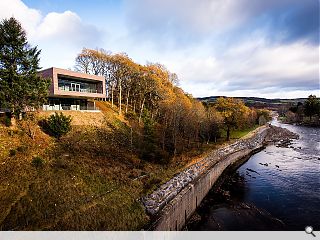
x: 261, y: 65
x: 60, y: 35
x: 251, y: 67
x: 185, y: 20
x: 229, y: 65
x: 199, y: 15
x: 28, y: 17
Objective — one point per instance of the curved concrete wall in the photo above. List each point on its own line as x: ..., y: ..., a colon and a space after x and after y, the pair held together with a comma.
x: 174, y: 214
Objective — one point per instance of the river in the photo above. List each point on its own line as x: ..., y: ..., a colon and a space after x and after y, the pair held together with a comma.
x: 276, y: 189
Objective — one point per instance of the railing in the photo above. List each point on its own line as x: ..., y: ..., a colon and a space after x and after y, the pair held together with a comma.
x: 69, y: 107
x: 80, y: 90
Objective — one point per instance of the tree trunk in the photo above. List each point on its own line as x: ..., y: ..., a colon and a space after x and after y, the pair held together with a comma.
x: 228, y: 133
x: 164, y: 133
x: 120, y: 92
x: 208, y: 139
x: 141, y: 109
x: 131, y: 138
x: 111, y: 95
x: 128, y: 94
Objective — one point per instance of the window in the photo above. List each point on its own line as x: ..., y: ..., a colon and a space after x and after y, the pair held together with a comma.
x: 69, y: 84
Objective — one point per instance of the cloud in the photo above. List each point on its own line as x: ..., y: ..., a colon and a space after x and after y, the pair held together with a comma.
x: 182, y: 22
x: 29, y: 17
x: 67, y: 27
x: 250, y: 66
x: 220, y: 47
x: 60, y: 35
x: 254, y: 65
x: 295, y: 21
x: 232, y: 46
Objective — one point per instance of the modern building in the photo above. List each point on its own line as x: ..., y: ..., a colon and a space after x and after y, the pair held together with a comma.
x: 71, y: 90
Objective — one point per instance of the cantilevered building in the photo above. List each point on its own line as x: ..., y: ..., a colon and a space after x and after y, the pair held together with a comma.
x: 71, y: 90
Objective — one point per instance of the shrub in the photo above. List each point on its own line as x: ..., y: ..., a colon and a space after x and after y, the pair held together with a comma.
x: 22, y: 148
x: 58, y: 125
x: 60, y: 163
x: 151, y: 183
x: 7, y: 121
x: 37, y: 161
x: 12, y: 152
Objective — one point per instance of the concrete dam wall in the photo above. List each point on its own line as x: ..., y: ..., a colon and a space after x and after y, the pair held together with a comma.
x: 175, y: 201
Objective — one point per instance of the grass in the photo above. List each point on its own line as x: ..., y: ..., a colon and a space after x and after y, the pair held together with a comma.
x: 88, y: 180
x: 238, y: 133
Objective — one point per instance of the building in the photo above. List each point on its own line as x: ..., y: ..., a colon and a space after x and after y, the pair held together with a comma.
x: 71, y: 90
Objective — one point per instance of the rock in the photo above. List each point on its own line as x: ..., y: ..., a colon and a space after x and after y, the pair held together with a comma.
x: 250, y: 170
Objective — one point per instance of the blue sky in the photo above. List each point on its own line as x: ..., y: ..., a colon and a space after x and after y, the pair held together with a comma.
x: 217, y: 47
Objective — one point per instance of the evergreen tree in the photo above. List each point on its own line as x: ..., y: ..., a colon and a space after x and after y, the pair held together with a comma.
x: 20, y: 85
x: 311, y: 106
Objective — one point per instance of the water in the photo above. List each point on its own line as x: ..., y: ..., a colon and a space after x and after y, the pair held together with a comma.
x: 285, y: 185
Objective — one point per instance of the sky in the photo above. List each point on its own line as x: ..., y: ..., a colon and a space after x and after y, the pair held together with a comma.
x: 231, y: 48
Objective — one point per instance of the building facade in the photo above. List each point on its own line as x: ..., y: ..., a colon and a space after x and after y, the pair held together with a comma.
x: 71, y: 90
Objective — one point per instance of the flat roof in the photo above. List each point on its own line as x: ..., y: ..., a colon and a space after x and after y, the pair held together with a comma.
x: 74, y: 74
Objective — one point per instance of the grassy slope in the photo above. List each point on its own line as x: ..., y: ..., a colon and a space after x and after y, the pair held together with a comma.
x: 77, y: 188
x: 235, y: 134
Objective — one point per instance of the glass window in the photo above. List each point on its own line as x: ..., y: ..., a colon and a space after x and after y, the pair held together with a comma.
x: 66, y: 84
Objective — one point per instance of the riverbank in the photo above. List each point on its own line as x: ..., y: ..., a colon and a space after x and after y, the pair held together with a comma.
x: 174, y: 202
x: 275, y: 189
x: 224, y: 210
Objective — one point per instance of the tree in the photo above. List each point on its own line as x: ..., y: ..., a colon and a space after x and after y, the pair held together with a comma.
x: 233, y: 112
x: 211, y: 125
x: 290, y: 117
x: 58, y: 125
x: 21, y: 88
x: 263, y: 116
x: 311, y: 106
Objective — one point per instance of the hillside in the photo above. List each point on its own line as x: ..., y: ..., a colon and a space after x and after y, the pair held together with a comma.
x: 259, y: 102
x: 92, y: 179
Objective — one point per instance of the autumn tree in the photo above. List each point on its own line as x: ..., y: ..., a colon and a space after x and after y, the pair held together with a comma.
x: 211, y: 125
x: 171, y: 119
x: 233, y: 112
x: 263, y: 116
x: 20, y: 85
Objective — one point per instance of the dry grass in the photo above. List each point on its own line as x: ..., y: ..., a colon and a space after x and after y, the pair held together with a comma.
x: 92, y: 178
x: 79, y: 118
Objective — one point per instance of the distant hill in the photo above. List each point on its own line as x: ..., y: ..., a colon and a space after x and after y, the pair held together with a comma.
x: 258, y: 102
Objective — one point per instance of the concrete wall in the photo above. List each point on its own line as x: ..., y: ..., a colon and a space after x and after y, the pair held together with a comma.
x: 175, y: 213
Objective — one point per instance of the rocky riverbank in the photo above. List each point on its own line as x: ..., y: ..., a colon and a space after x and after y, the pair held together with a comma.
x: 158, y: 199
x: 279, y: 135
x: 224, y: 207
x: 161, y: 197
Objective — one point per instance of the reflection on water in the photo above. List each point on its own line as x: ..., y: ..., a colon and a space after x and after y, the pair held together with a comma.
x: 284, y: 181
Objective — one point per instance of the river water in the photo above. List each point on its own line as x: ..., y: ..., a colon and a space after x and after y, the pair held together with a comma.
x: 276, y: 189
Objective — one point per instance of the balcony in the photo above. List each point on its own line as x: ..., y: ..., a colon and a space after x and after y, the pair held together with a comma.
x: 79, y: 86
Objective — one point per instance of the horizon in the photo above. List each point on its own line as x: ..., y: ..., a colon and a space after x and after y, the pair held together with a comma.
x: 237, y: 48
x: 215, y: 96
